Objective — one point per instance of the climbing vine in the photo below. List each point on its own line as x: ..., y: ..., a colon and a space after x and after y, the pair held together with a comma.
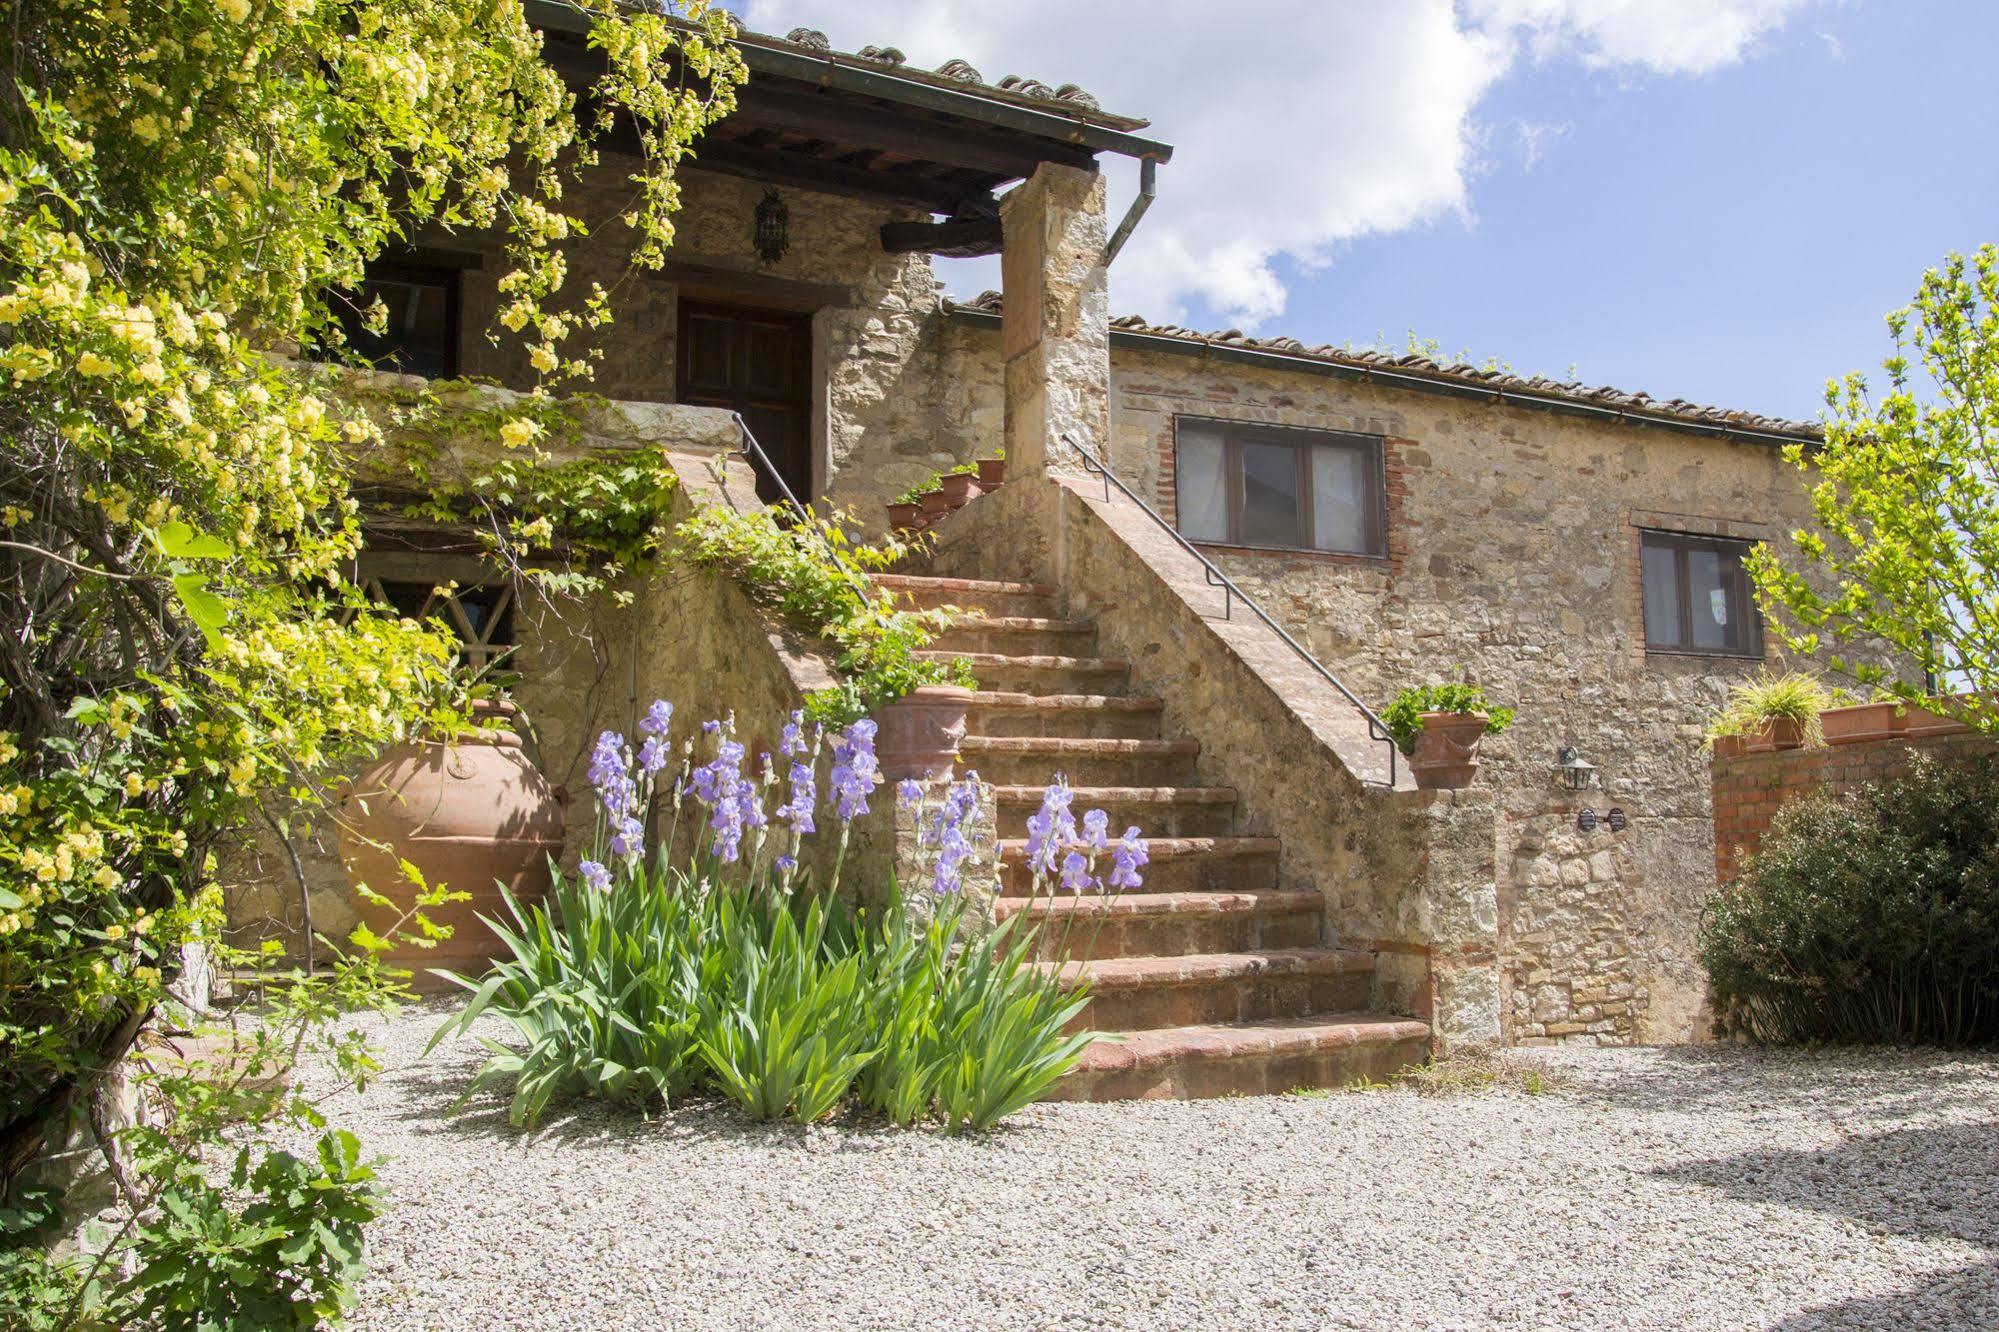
x: 185, y: 191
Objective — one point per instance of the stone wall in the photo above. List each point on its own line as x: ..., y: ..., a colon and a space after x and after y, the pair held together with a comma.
x: 892, y: 399
x: 1749, y: 789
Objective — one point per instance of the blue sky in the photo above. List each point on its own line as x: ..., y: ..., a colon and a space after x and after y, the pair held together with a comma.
x: 1709, y: 199
x: 1733, y: 237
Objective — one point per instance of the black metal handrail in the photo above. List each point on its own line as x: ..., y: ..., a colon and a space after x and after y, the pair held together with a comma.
x: 1376, y: 728
x: 755, y: 453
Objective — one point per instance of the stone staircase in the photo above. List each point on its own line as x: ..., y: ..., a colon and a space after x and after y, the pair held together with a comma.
x: 1211, y: 980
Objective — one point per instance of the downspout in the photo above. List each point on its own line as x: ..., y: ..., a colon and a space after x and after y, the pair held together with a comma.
x: 1148, y: 189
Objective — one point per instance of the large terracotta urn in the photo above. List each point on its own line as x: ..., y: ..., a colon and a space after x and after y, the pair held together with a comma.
x: 471, y: 813
x: 1446, y: 753
x: 919, y: 732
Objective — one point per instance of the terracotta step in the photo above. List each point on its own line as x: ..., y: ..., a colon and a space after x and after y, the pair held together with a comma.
x: 1157, y: 811
x: 1250, y: 1059
x: 1178, y: 865
x: 1028, y: 760
x: 1074, y: 716
x: 1010, y: 673
x: 1143, y: 993
x: 1019, y: 635
x: 992, y: 597
x: 1167, y: 924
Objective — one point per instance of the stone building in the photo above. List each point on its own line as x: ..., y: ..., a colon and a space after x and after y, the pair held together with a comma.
x: 1576, y: 550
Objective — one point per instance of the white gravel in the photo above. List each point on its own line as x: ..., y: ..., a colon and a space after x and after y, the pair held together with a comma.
x: 1671, y: 1189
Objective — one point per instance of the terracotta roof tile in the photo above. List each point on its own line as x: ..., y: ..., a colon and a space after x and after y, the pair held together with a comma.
x: 1639, y: 406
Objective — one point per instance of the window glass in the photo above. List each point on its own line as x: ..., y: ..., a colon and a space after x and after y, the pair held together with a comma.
x: 1708, y: 589
x: 1339, y: 498
x: 420, y: 336
x: 1696, y: 595
x: 1203, y: 484
x: 1256, y: 485
x: 1270, y: 513
x: 1662, y: 595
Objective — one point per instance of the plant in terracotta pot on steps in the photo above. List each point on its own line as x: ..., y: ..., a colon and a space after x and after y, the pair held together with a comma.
x: 1440, y: 728
x: 470, y: 814
x: 1770, y: 712
x: 992, y: 471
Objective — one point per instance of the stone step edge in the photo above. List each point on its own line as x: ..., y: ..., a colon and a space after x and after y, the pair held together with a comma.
x: 1021, y: 624
x: 993, y: 699
x: 1116, y: 1052
x: 1014, y: 849
x: 1078, y: 744
x: 1122, y: 795
x: 996, y: 587
x: 1190, y: 905
x: 1117, y: 975
x: 1090, y: 665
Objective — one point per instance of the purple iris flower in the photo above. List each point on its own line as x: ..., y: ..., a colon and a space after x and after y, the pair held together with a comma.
x: 804, y: 797
x: 654, y: 755
x: 855, y: 772
x: 595, y: 876
x: 658, y: 719
x: 1051, y: 829
x: 1127, y: 859
x: 1075, y: 872
x: 908, y: 793
x: 1096, y: 830
x: 792, y: 741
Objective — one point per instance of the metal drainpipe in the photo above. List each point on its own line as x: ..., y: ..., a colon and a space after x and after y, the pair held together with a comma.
x: 1148, y: 189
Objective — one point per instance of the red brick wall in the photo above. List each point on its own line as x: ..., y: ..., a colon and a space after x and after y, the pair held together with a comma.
x: 1750, y: 788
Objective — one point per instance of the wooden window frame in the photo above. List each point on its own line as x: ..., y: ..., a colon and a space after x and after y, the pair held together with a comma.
x: 422, y: 273
x: 1304, y: 442
x: 1681, y: 543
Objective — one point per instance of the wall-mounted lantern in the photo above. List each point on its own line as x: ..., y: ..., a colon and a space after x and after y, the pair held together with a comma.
x: 1573, y: 771
x: 772, y: 236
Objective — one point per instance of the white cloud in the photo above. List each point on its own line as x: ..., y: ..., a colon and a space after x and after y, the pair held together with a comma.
x: 1296, y: 127
x: 1664, y: 36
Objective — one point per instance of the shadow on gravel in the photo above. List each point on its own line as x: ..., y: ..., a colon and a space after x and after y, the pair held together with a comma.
x: 1934, y: 1182
x: 1967, y: 1298
x: 1856, y: 1082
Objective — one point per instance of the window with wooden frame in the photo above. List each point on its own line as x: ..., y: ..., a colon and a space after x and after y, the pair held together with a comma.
x: 1278, y: 487
x: 1697, y: 595
x: 421, y: 334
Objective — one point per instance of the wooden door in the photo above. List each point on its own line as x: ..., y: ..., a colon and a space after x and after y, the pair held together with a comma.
x: 759, y: 363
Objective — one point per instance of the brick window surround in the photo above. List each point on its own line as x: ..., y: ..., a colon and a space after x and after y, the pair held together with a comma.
x: 1637, y: 522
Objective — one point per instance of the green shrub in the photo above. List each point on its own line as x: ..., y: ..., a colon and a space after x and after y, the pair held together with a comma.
x: 1870, y: 917
x: 1795, y: 696
x: 815, y: 575
x: 1404, y: 717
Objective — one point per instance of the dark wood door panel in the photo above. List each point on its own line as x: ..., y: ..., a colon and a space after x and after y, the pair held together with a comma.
x: 758, y: 363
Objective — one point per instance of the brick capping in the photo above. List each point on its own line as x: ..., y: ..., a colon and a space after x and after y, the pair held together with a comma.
x: 1749, y: 789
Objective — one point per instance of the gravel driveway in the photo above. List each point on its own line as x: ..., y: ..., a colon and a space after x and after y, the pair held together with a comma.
x: 1672, y: 1189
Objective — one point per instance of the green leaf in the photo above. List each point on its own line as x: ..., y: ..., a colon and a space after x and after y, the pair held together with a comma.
x: 203, y: 607
x: 178, y: 541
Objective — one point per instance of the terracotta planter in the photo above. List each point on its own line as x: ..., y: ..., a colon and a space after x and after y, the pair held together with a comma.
x: 936, y: 504
x: 473, y: 814
x: 992, y: 472
x: 1729, y: 746
x: 1446, y: 757
x: 920, y: 732
x: 1777, y: 733
x: 1921, y: 721
x: 902, y: 517
x: 957, y: 487
x: 1864, y: 721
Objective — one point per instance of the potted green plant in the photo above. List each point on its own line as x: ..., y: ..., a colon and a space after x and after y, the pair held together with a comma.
x: 959, y: 484
x: 1440, y: 728
x: 1771, y: 712
x: 992, y: 471
x: 905, y: 510
x: 1884, y: 717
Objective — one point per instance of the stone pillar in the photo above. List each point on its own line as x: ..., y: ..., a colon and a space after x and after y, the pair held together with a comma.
x: 1055, y: 333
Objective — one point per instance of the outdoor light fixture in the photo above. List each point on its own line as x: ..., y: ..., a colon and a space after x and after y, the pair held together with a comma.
x: 1573, y: 771
x: 772, y: 237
